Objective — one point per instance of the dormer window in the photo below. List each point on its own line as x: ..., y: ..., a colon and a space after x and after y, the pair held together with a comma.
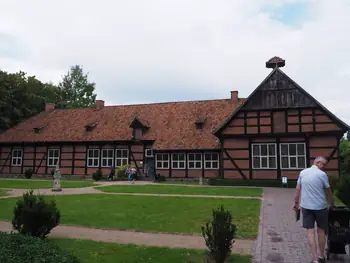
x: 40, y: 128
x: 90, y: 126
x: 199, y: 123
x: 138, y: 128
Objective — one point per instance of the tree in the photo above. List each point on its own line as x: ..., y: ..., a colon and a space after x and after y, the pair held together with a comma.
x: 76, y: 90
x: 344, y: 148
x: 23, y: 96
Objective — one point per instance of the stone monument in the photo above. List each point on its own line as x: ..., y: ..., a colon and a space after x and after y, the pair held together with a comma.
x: 57, y: 180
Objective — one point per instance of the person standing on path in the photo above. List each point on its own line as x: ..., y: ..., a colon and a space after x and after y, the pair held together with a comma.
x: 311, y: 185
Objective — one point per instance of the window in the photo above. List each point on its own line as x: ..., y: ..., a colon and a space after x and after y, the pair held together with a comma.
x: 149, y: 153
x: 178, y: 161
x: 264, y: 156
x: 162, y: 161
x: 17, y: 155
x: 211, y: 160
x: 293, y: 155
x: 194, y: 161
x: 121, y: 157
x: 107, y: 158
x: 93, y: 157
x: 53, y: 157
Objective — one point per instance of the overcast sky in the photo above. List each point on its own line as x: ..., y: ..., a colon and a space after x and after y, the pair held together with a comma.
x: 140, y: 51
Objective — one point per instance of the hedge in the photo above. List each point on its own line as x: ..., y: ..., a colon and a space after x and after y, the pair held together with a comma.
x: 15, y: 248
x: 252, y: 182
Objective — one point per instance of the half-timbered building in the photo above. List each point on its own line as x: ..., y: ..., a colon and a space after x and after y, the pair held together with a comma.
x: 276, y: 131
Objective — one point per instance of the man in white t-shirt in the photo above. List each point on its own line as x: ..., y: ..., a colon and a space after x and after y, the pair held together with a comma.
x: 312, y: 184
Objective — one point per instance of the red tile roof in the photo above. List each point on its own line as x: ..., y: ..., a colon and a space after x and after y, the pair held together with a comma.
x: 172, y: 124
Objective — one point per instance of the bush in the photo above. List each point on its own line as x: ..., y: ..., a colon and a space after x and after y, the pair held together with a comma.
x: 343, y: 192
x: 333, y: 181
x: 251, y: 182
x: 97, y: 175
x: 218, y: 235
x: 35, y: 216
x: 121, y: 171
x: 17, y: 248
x: 159, y: 178
x: 28, y: 173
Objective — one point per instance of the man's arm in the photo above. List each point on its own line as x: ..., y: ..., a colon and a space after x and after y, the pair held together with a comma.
x: 297, y: 196
x: 328, y: 189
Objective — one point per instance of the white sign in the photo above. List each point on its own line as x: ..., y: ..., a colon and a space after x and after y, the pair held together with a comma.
x: 284, y: 180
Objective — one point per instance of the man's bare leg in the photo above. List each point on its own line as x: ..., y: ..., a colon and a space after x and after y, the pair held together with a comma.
x: 312, y: 243
x: 321, y: 241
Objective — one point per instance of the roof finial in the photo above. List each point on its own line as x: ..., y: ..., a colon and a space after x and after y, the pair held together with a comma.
x: 275, y: 62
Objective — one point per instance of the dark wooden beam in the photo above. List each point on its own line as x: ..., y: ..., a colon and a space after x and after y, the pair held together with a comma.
x: 250, y: 159
x: 313, y: 121
x: 299, y: 117
x: 221, y: 159
x: 258, y: 121
x: 22, y: 161
x: 203, y: 171
x: 235, y: 165
x: 186, y: 166
x: 86, y: 159
x: 100, y: 156
x: 245, y: 123
x: 286, y: 122
x: 41, y: 161
x: 307, y: 146
x: 73, y: 160
x: 278, y: 163
x: 170, y: 164
x: 34, y: 159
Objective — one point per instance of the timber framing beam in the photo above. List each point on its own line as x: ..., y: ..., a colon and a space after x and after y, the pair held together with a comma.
x: 234, y: 163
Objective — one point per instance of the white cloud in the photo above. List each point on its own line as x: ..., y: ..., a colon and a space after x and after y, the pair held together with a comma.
x: 156, y: 50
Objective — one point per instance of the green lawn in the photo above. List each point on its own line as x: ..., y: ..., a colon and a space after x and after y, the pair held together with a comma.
x: 149, y: 213
x: 3, y: 192
x: 188, y: 190
x: 98, y: 252
x: 36, y: 184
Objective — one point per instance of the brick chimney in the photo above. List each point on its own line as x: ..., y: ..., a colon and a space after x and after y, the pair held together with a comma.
x: 49, y: 107
x: 234, y: 95
x: 100, y: 104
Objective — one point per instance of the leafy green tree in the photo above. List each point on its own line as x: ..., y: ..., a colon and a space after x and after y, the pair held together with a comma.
x: 76, y: 90
x: 344, y: 156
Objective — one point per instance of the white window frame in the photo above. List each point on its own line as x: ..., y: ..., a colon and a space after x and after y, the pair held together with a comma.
x: 296, y: 155
x: 178, y: 161
x: 211, y: 161
x: 17, y: 160
x: 123, y: 160
x: 264, y: 156
x: 93, y: 158
x: 107, y: 158
x: 52, y: 157
x: 194, y: 161
x: 162, y: 161
x: 147, y: 154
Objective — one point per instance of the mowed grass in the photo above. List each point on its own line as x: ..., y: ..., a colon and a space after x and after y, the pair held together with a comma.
x: 149, y: 213
x: 37, y: 184
x: 187, y: 190
x: 3, y: 192
x: 98, y: 252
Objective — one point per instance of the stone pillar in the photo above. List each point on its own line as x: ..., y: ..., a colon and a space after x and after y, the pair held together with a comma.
x: 57, y: 180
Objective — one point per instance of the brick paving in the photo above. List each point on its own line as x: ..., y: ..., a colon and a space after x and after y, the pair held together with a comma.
x: 281, y: 239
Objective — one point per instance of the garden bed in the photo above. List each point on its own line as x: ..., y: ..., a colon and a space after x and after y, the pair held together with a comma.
x: 252, y: 182
x: 149, y: 213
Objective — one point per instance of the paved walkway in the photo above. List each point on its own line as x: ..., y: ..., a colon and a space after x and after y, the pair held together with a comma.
x: 281, y: 239
x: 92, y: 190
x: 244, y: 247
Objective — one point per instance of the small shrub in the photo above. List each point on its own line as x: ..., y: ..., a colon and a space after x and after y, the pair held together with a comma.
x: 159, y: 178
x: 121, y: 171
x: 35, y: 216
x: 218, y: 235
x: 97, y: 175
x: 111, y: 174
x: 17, y: 248
x: 333, y: 181
x: 343, y: 192
x: 28, y: 173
